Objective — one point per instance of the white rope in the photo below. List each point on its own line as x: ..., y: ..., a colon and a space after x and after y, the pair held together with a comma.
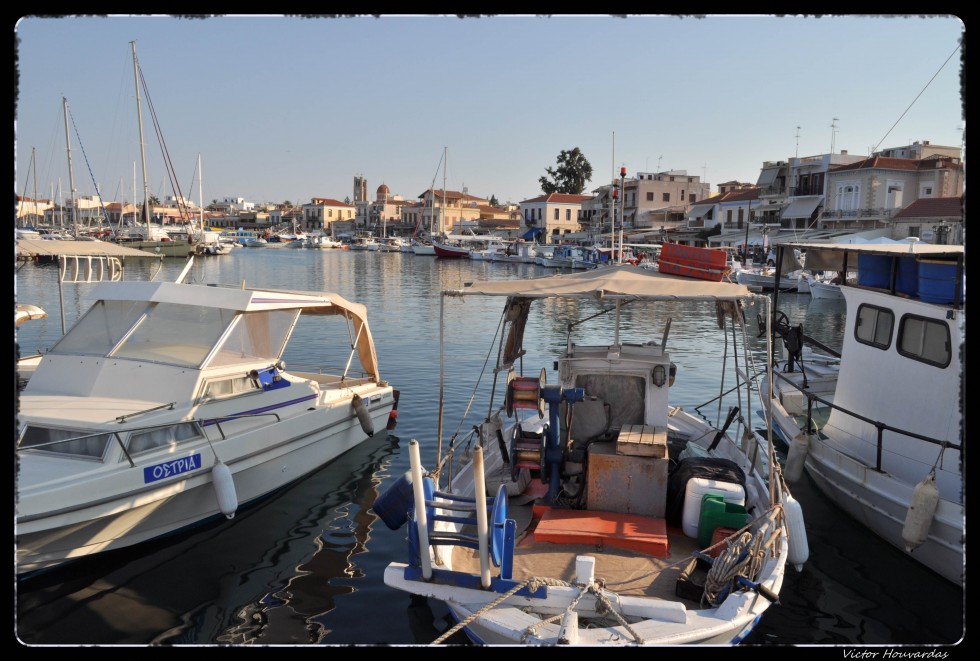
x: 532, y: 583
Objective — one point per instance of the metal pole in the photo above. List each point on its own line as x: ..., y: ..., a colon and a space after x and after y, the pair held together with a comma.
x: 71, y: 175
x: 139, y: 117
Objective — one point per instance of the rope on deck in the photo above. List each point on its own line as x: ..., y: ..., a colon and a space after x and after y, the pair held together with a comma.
x: 532, y: 583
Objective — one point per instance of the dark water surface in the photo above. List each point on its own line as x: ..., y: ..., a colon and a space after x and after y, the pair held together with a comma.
x: 307, y: 566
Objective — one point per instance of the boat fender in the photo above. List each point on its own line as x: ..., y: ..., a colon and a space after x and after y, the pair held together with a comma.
x: 224, y: 489
x: 796, y: 456
x: 395, y: 502
x: 362, y: 414
x: 799, y: 547
x: 393, y: 415
x: 922, y: 509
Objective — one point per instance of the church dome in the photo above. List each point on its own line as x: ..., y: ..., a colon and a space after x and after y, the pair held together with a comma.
x: 383, y: 190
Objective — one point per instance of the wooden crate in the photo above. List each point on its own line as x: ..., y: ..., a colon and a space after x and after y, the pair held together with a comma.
x: 642, y: 441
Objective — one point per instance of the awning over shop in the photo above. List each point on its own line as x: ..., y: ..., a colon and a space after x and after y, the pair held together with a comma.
x: 532, y: 233
x: 802, y: 207
x: 766, y: 177
x: 700, y: 210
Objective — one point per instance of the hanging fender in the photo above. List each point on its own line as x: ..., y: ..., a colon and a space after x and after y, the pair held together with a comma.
x: 362, y: 414
x: 224, y: 489
x: 799, y: 447
x: 922, y: 509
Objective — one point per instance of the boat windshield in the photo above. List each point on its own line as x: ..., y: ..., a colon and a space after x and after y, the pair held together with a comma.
x: 163, y: 332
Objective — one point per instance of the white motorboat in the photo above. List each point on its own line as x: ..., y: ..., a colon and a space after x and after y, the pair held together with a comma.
x: 597, y: 513
x: 825, y: 289
x: 882, y: 433
x: 167, y: 405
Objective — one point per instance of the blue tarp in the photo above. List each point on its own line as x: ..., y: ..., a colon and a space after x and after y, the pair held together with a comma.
x: 532, y: 233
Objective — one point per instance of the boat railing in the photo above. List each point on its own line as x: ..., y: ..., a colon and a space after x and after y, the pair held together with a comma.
x: 881, y: 427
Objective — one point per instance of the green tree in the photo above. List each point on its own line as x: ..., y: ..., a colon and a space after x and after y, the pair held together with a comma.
x: 573, y: 171
x: 347, y: 200
x: 493, y: 201
x: 154, y: 201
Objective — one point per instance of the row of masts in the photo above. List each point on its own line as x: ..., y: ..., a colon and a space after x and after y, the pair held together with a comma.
x: 75, y: 229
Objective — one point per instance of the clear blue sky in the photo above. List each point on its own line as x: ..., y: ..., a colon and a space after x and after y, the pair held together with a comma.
x: 293, y: 108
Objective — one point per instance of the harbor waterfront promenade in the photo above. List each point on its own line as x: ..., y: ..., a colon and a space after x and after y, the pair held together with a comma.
x: 307, y: 567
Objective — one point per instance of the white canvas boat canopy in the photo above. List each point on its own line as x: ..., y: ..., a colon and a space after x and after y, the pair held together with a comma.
x: 625, y: 281
x: 47, y: 247
x: 249, y: 300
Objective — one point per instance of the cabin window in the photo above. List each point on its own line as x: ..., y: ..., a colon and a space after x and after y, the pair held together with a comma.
x: 65, y: 442
x: 874, y: 326
x: 220, y: 388
x: 162, y: 437
x: 925, y: 340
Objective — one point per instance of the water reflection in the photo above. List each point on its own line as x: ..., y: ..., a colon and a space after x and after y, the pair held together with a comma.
x: 307, y: 568
x: 259, y: 576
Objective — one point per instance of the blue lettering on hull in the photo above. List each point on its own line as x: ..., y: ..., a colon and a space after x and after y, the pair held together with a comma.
x: 171, y: 468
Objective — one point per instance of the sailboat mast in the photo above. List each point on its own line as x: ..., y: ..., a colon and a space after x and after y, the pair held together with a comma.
x: 200, y: 193
x: 71, y: 176
x: 442, y: 215
x: 34, y: 168
x: 139, y: 118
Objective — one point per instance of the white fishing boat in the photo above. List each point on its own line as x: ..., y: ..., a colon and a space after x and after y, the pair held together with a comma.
x: 763, y: 278
x: 520, y: 252
x: 826, y: 290
x: 881, y: 433
x: 586, y: 509
x: 167, y: 405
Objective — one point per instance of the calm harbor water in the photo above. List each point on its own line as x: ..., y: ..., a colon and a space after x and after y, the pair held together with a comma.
x: 307, y: 566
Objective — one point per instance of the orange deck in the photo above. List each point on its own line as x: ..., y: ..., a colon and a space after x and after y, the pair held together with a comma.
x: 629, y: 531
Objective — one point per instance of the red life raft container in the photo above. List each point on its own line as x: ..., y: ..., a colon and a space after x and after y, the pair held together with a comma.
x: 693, y: 262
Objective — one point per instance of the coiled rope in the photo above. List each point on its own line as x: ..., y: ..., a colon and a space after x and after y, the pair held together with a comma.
x: 743, y: 557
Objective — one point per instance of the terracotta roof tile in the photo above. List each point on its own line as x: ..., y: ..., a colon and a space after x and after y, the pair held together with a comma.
x: 933, y: 207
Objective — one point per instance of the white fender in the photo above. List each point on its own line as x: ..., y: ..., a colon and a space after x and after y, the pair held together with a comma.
x: 796, y: 457
x: 362, y: 414
x: 918, y: 519
x: 224, y: 489
x: 799, y: 547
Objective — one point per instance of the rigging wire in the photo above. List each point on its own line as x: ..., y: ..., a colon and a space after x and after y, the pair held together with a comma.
x: 105, y: 213
x: 873, y: 149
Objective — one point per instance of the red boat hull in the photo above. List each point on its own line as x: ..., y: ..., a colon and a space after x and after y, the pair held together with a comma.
x: 442, y: 250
